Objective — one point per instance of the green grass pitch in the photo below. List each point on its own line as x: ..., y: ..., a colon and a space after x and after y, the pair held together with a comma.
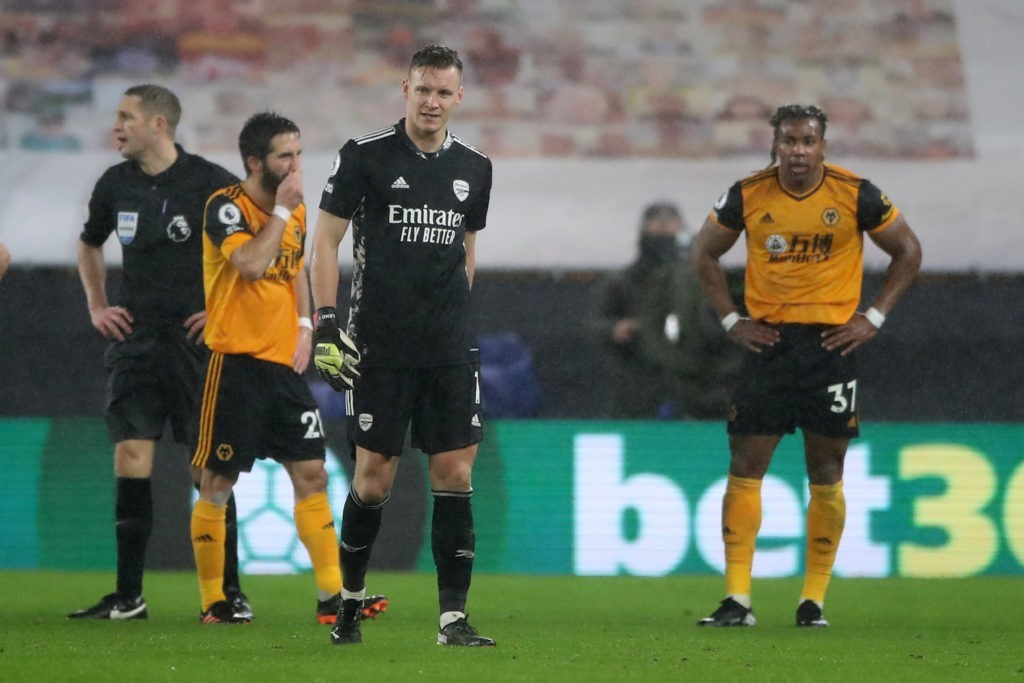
x: 547, y: 629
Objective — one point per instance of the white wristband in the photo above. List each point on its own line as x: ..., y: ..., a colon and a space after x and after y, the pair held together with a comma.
x: 730, y: 320
x: 282, y: 212
x: 306, y: 322
x: 875, y: 316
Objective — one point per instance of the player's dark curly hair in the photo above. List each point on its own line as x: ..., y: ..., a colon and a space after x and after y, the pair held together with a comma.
x: 258, y: 133
x: 793, y: 112
x: 435, y: 57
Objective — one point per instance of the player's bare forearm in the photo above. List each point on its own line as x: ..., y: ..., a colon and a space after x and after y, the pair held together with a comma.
x: 709, y: 246
x: 5, y: 259
x: 92, y: 271
x: 303, y: 350
x: 253, y: 258
x: 904, y: 249
x: 323, y: 265
x: 113, y: 322
x: 301, y: 285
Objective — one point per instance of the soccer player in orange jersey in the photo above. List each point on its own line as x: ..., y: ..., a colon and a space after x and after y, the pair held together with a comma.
x: 256, y: 403
x: 805, y: 222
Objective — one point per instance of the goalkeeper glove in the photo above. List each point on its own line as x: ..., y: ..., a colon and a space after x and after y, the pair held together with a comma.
x: 334, y: 355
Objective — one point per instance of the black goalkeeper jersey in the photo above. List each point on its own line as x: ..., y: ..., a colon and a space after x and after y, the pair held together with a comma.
x: 409, y: 212
x: 159, y: 222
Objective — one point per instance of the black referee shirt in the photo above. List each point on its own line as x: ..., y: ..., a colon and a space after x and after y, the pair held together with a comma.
x: 159, y: 222
x: 410, y: 211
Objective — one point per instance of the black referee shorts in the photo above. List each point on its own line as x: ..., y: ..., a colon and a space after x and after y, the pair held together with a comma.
x: 441, y: 403
x: 796, y: 383
x: 153, y: 377
x: 255, y: 409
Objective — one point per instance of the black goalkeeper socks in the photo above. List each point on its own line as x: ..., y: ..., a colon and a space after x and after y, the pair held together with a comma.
x: 359, y: 526
x: 453, y: 542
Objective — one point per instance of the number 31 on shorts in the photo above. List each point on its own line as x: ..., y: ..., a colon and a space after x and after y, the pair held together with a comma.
x: 844, y: 397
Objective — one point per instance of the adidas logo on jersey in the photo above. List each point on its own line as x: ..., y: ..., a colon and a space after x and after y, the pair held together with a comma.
x: 400, y: 184
x: 767, y: 218
x: 475, y: 421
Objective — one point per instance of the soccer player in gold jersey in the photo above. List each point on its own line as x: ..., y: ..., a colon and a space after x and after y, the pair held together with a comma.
x: 805, y: 222
x: 256, y: 403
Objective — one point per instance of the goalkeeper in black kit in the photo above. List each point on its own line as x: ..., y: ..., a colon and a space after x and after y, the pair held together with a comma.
x: 416, y: 196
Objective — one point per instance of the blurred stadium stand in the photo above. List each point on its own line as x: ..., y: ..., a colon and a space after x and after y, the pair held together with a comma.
x: 659, y: 78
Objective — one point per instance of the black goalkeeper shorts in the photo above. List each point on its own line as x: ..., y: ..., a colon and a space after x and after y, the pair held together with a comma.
x: 442, y: 404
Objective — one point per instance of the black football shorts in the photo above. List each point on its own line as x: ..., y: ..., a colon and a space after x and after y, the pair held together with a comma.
x: 796, y: 383
x: 154, y: 377
x: 255, y: 409
x: 442, y: 405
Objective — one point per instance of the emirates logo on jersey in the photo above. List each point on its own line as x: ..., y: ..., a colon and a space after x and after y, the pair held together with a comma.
x: 461, y: 189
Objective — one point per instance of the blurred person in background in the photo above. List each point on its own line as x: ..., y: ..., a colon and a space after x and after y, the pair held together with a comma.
x: 666, y: 354
x: 49, y: 133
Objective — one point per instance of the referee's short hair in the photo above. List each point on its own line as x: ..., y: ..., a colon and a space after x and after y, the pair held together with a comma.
x: 156, y: 99
x: 259, y: 132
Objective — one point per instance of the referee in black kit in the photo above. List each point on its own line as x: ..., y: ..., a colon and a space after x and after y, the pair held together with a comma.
x: 155, y: 362
x: 416, y: 196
